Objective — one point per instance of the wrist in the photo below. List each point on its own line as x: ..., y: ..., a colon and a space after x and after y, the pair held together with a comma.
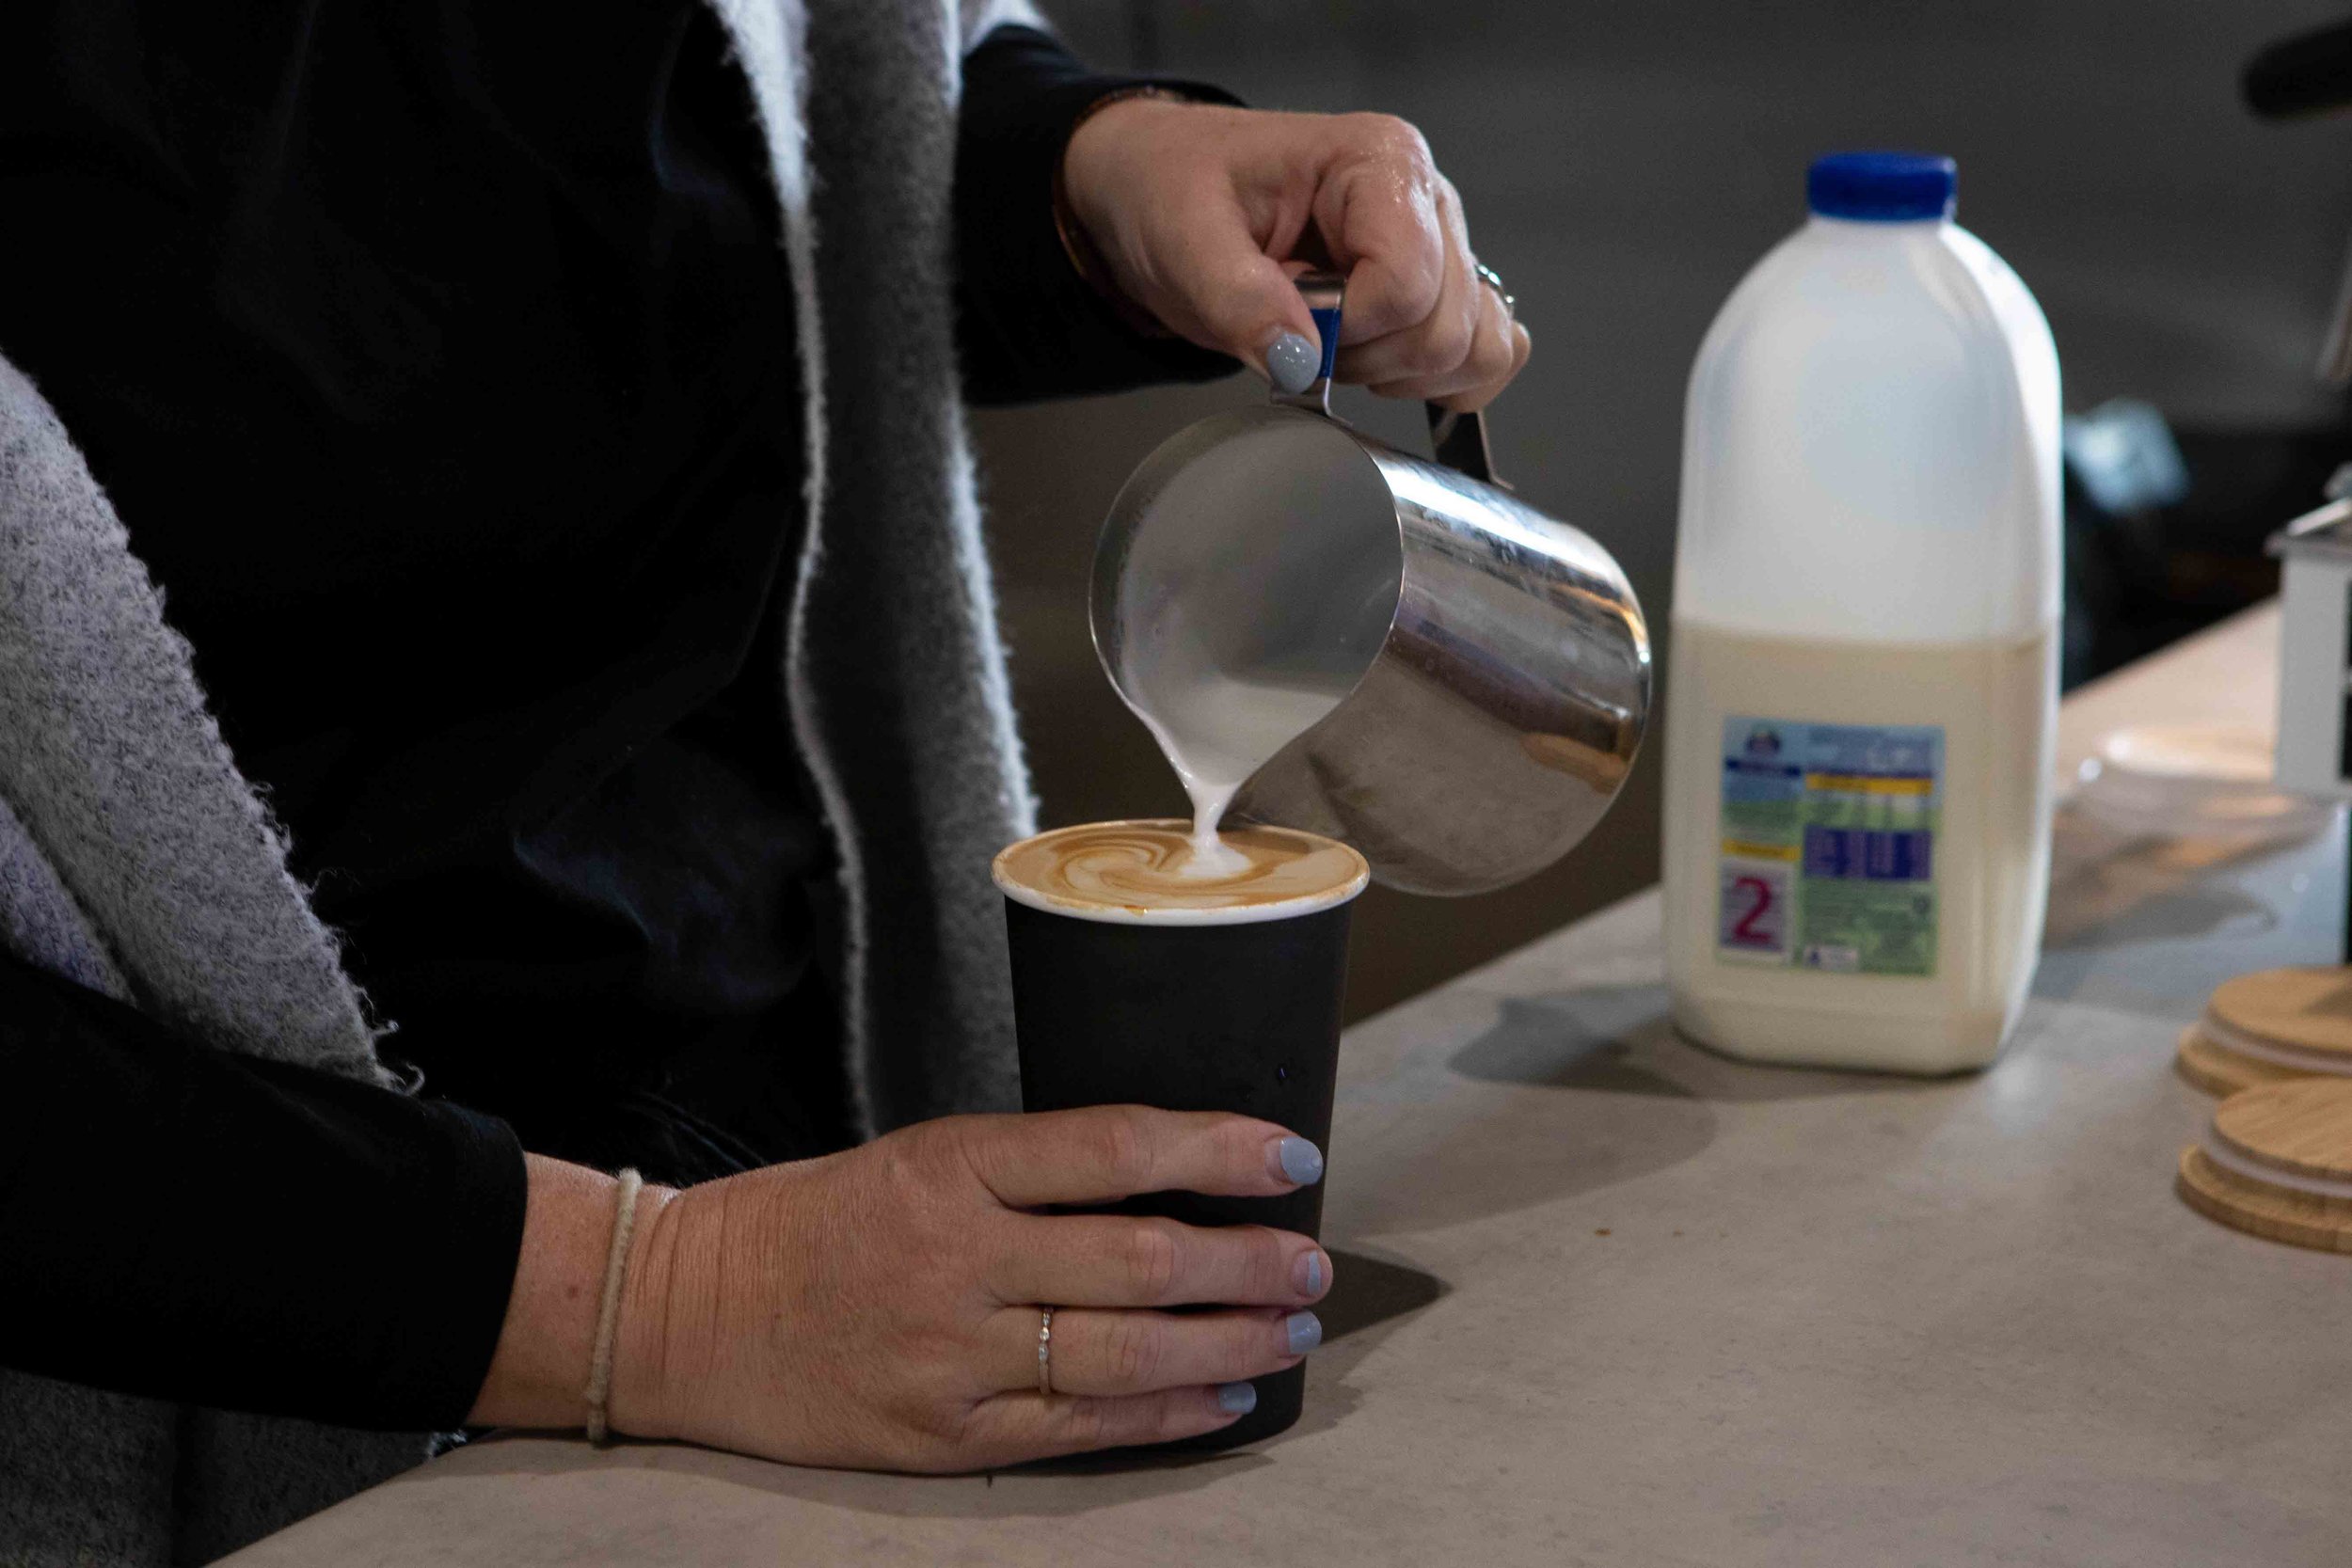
x: 638, y: 1401
x: 1084, y: 171
x: 548, y: 1335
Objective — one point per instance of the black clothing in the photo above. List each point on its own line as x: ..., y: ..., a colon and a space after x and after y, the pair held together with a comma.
x: 239, y: 1232
x: 448, y: 388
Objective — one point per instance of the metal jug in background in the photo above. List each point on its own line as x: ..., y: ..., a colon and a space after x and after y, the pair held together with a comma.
x: 1472, y: 677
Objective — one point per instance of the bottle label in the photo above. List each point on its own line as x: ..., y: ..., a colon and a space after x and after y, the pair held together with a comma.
x: 1828, y: 857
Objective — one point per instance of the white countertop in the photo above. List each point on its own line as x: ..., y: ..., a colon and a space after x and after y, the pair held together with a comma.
x: 1602, y: 1297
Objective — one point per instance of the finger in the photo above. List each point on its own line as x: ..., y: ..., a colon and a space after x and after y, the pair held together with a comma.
x: 1141, y: 1352
x: 1494, y: 347
x: 1380, y: 210
x: 1492, y: 359
x: 1122, y: 1261
x: 1010, y: 1427
x: 1478, y: 397
x: 1105, y: 1152
x: 1439, y: 343
x: 1222, y: 290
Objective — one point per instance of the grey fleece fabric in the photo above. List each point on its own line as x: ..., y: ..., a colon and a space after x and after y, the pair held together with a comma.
x: 37, y: 913
x: 896, y: 572
x: 135, y: 858
x: 118, y: 773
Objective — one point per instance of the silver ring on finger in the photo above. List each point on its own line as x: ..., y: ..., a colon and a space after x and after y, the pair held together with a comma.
x: 1046, y: 1352
x: 1493, y: 280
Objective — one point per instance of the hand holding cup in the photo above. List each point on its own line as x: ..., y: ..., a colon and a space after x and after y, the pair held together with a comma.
x: 880, y: 1307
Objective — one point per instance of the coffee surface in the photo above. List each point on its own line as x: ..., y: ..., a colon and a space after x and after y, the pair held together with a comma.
x: 1147, y: 870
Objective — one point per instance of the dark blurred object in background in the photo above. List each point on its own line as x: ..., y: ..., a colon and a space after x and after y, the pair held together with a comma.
x: 2165, y: 530
x: 2308, y: 74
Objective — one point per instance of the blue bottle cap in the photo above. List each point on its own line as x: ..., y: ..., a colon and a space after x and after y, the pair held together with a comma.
x: 1883, y: 187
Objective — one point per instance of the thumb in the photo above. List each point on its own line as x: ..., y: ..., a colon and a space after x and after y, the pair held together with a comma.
x: 1242, y: 301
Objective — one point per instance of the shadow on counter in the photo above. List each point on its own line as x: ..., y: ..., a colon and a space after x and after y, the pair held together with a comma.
x: 1615, y: 1039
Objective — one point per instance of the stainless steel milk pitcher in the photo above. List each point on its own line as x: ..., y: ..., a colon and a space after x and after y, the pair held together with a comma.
x: 1457, y: 683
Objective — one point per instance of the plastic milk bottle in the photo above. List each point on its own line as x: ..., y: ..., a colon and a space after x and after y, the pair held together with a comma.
x: 1862, y: 688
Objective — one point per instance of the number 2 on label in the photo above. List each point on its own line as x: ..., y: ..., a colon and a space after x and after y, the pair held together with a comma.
x: 1743, y: 929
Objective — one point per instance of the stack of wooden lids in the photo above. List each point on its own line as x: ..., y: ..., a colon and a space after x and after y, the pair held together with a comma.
x: 2277, y: 1163
x: 2271, y: 1028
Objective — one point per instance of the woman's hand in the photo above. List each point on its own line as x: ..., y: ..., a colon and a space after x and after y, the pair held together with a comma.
x: 879, y: 1308
x: 1196, y: 209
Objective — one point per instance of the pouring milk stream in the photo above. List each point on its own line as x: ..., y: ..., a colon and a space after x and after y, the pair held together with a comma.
x: 1224, y: 731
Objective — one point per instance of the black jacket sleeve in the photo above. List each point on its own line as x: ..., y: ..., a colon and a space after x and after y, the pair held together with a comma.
x: 185, y: 1224
x: 1029, y: 326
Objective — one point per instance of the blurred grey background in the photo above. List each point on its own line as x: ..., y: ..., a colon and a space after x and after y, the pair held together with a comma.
x: 1622, y: 167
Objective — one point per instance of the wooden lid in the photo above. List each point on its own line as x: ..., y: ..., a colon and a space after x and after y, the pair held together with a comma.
x: 2305, y: 1010
x: 2279, y: 1164
x: 2275, y: 1214
x: 2299, y: 1128
x: 2219, y: 1070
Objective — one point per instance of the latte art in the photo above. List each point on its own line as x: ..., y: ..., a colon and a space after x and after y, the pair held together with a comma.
x: 1149, y: 870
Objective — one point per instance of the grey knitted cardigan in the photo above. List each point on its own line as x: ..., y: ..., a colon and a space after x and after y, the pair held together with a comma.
x: 135, y: 858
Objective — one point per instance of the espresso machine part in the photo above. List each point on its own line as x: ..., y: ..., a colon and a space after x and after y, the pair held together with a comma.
x: 2297, y: 77
x: 1472, y: 677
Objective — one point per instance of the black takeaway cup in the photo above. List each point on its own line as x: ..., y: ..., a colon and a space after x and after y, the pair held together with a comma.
x: 1141, y: 976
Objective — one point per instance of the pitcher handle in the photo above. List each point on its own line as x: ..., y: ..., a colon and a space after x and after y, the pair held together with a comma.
x: 1458, y: 439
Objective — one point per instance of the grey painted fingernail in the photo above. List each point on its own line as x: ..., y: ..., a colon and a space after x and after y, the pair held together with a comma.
x: 1304, y: 1331
x: 1237, y: 1399
x: 1314, y: 1273
x: 1292, y: 361
x: 1302, y: 1162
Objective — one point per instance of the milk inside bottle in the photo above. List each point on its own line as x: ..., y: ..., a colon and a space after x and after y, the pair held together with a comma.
x: 1862, y: 685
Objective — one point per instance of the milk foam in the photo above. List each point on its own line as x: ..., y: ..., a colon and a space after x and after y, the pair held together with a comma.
x: 1150, y: 871
x: 1221, y: 732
